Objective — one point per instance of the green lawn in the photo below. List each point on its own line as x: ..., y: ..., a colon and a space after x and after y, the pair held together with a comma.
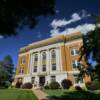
x: 16, y: 94
x: 73, y: 95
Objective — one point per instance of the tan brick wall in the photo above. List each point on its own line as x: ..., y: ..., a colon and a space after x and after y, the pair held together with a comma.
x: 66, y: 56
x: 87, y: 78
x: 63, y: 57
x: 70, y: 57
x: 25, y: 64
x: 67, y: 59
x: 71, y: 77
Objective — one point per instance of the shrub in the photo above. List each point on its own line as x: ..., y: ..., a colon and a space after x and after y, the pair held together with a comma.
x: 46, y: 87
x: 5, y: 84
x: 90, y: 86
x: 54, y: 85
x: 66, y: 83
x: 97, y: 84
x: 78, y: 88
x: 18, y: 84
x: 27, y: 85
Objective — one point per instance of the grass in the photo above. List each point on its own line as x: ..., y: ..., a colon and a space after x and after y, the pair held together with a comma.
x: 73, y: 95
x: 57, y: 93
x: 16, y: 94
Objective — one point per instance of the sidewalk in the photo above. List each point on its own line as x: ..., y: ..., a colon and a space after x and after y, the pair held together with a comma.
x: 40, y: 94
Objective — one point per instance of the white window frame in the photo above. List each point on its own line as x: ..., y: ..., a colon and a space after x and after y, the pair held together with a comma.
x: 54, y: 67
x: 43, y: 66
x: 21, y: 71
x: 53, y: 57
x: 76, y: 63
x: 78, y: 81
x: 74, y: 51
x: 35, y: 57
x: 34, y: 69
x: 22, y: 60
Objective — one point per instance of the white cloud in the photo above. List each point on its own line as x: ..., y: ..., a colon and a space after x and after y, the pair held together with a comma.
x: 75, y: 17
x: 1, y: 36
x: 55, y: 32
x: 63, y: 22
x: 84, y: 28
x: 59, y: 23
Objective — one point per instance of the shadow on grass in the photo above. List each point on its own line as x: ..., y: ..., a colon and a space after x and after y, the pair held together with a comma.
x: 78, y: 95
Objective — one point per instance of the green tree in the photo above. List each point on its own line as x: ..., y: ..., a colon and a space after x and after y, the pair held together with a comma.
x: 17, y: 13
x: 91, y: 45
x: 9, y: 66
x: 2, y: 72
x: 6, y: 69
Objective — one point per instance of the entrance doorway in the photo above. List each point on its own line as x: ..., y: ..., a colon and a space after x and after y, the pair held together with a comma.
x: 42, y: 80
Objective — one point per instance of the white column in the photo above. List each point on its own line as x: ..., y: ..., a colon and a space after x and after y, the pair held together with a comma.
x: 48, y: 61
x: 58, y: 60
x: 39, y: 62
x: 28, y: 67
x: 31, y: 63
x: 50, y: 66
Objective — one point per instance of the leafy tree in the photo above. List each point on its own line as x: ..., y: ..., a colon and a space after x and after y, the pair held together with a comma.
x: 9, y: 66
x: 91, y: 44
x: 6, y: 69
x: 17, y: 13
x: 2, y: 72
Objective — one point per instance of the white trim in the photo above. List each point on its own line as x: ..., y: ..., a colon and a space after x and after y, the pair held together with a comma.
x: 73, y: 72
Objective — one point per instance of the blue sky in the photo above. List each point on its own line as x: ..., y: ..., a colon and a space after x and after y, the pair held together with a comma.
x: 71, y: 15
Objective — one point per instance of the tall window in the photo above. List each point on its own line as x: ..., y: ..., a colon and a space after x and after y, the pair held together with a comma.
x: 35, y: 62
x: 36, y: 57
x: 74, y: 51
x: 22, y: 60
x: 44, y: 61
x: 44, y: 55
x: 53, y: 60
x: 43, y: 68
x: 75, y: 64
x: 35, y: 69
x: 53, y: 54
x: 21, y: 71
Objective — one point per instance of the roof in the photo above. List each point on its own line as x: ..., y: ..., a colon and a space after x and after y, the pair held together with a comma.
x: 49, y: 41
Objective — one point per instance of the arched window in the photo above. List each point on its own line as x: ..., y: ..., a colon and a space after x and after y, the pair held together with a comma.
x: 53, y: 60
x: 36, y: 57
x: 35, y: 69
x: 22, y: 60
x: 44, y: 55
x: 35, y: 62
x: 44, y: 61
x: 53, y: 54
